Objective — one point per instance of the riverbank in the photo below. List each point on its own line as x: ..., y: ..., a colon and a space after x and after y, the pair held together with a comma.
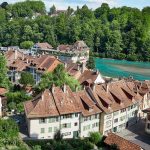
x: 120, y: 56
x: 122, y: 68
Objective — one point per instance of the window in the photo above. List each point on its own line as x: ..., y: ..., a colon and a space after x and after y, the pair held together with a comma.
x: 128, y: 108
x: 42, y: 120
x: 116, y: 120
x: 148, y: 126
x: 96, y: 116
x: 66, y: 134
x: 86, y: 127
x: 50, y: 129
x: 122, y: 118
x: 42, y: 130
x: 95, y: 125
x: 55, y: 129
x: 123, y: 110
x: 53, y: 119
x: 116, y: 113
x: 109, y: 116
x: 66, y: 125
x: 76, y: 115
x: 75, y: 124
x: 67, y: 116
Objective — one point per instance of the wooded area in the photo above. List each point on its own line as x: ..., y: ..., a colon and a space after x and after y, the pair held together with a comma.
x: 122, y: 33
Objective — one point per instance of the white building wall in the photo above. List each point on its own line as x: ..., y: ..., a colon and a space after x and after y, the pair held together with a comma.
x: 90, y: 125
x: 67, y: 132
x: 107, y: 124
x: 117, y: 121
x: 35, y: 129
x: 99, y: 79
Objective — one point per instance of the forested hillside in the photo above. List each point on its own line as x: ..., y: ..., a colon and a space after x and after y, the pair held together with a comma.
x: 122, y: 33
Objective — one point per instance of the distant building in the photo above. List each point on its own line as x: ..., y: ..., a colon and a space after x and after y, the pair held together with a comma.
x: 18, y: 62
x: 58, y: 12
x: 78, y: 52
x: 41, y: 48
x: 121, y: 143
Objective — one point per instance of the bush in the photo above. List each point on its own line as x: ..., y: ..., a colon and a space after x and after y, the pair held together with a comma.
x: 95, y: 137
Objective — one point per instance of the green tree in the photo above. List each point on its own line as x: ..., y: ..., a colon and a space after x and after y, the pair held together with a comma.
x: 52, y: 10
x: 4, y: 81
x: 95, y: 137
x: 26, y: 44
x: 58, y: 77
x: 91, y: 63
x: 26, y: 79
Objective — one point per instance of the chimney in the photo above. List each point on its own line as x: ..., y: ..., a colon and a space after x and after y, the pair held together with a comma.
x: 16, y: 54
x: 97, y: 71
x: 27, y: 61
x: 83, y: 67
x: 64, y: 88
x: 93, y: 87
x: 76, y: 88
x: 107, y: 87
x: 78, y: 67
x: 42, y: 96
x: 65, y: 65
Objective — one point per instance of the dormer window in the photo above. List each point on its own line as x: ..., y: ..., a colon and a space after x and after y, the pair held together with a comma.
x: 42, y: 120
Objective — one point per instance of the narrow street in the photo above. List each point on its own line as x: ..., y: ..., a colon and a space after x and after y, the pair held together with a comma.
x: 137, y: 135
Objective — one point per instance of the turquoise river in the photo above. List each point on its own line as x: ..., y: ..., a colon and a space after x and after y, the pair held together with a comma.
x: 123, y: 68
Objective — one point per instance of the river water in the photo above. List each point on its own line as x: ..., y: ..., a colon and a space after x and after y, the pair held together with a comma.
x: 123, y: 68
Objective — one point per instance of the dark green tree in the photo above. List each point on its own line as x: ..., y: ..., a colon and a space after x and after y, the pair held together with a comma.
x: 91, y: 63
x: 26, y: 79
x: 4, y: 81
x: 26, y: 44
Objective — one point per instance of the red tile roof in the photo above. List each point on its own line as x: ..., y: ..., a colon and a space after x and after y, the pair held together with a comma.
x: 122, y: 143
x: 41, y: 106
x: 3, y: 91
x: 44, y: 45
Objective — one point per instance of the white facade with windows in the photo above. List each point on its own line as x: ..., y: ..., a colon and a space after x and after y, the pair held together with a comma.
x: 70, y: 126
x: 89, y: 124
x: 119, y: 120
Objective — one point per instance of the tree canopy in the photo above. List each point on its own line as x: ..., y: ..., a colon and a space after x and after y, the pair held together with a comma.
x: 121, y: 33
x: 26, y: 79
x: 58, y: 77
x: 4, y: 81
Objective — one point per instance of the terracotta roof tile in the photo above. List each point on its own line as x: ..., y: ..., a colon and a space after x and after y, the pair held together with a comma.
x: 3, y: 91
x: 41, y: 106
x: 122, y: 143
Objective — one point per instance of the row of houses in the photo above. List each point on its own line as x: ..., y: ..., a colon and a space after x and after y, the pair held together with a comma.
x: 104, y: 108
x: 18, y: 62
x: 77, y: 52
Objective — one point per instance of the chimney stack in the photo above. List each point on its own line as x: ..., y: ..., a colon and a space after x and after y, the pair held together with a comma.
x: 97, y: 71
x: 107, y: 87
x: 78, y: 67
x: 64, y: 88
x: 65, y: 65
x: 83, y: 67
x: 93, y: 86
x: 16, y: 54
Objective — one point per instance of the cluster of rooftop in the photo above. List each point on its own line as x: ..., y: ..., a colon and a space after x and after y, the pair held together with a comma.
x: 104, y: 108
